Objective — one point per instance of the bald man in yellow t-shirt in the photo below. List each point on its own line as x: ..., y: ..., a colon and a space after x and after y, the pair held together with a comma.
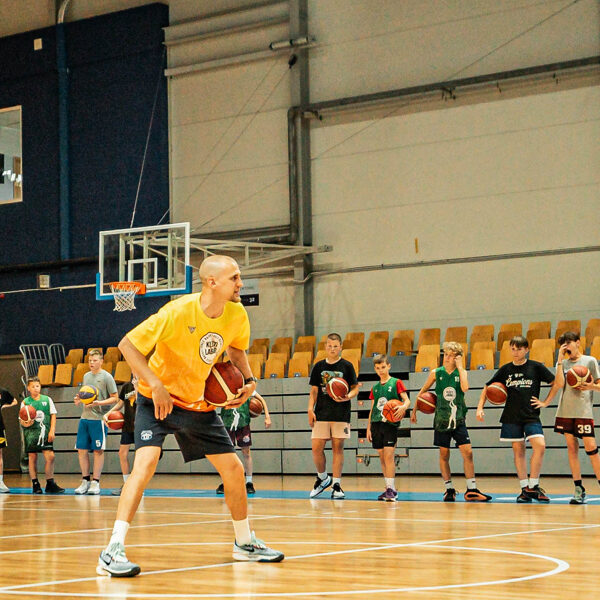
x: 188, y: 335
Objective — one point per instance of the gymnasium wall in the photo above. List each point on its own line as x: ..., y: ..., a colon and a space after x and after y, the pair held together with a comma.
x: 115, y: 62
x: 502, y: 170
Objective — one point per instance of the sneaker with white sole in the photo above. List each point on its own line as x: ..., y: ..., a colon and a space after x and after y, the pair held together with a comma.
x: 94, y: 488
x: 3, y: 488
x: 578, y: 495
x: 337, y: 493
x: 113, y: 562
x: 320, y: 486
x: 84, y: 486
x: 256, y: 551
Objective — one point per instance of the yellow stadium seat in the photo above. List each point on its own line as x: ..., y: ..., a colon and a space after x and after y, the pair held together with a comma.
x: 483, y: 356
x: 274, y: 367
x: 481, y: 333
x: 592, y: 329
x: 75, y: 356
x: 536, y: 334
x: 428, y: 337
x: 80, y: 370
x: 456, y: 334
x: 259, y: 349
x: 256, y: 361
x: 595, y: 348
x: 409, y: 333
x: 352, y: 355
x: 307, y: 339
x: 380, y: 334
x: 320, y: 355
x: 375, y: 345
x: 543, y: 325
x: 352, y: 344
x: 299, y: 365
x: 484, y: 345
x: 63, y: 375
x: 543, y: 354
x: 427, y: 359
x: 284, y: 340
x: 512, y: 328
x: 45, y: 375
x: 113, y: 355
x: 122, y: 372
x: 261, y: 342
x: 282, y: 348
x: 401, y: 344
x: 505, y: 353
x: 305, y: 347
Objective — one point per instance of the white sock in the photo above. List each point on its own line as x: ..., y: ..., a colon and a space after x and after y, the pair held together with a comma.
x: 1, y: 478
x: 523, y: 483
x: 533, y: 481
x: 119, y: 532
x: 337, y: 480
x: 125, y: 477
x: 322, y: 476
x: 248, y: 478
x: 471, y: 485
x: 389, y: 483
x: 448, y: 484
x: 242, y: 531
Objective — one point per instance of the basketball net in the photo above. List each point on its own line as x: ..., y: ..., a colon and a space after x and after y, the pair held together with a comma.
x: 124, y: 293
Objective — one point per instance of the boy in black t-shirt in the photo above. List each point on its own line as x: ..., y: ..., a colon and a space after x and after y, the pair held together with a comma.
x: 520, y: 419
x: 330, y: 419
x: 6, y: 399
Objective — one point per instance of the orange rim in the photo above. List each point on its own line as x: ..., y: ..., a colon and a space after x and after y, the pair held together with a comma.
x: 140, y: 288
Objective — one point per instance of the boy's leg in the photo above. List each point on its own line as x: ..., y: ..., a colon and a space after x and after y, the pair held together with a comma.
x: 538, y: 445
x: 3, y: 487
x: 573, y: 454
x: 337, y: 446
x: 247, y: 464
x: 32, y: 465
x: 84, y: 462
x: 445, y: 464
x: 49, y: 466
x: 591, y: 449
x: 124, y: 458
x: 520, y: 461
x: 318, y: 454
x: 98, y: 463
x: 472, y: 494
x: 320, y: 434
x: 388, y: 462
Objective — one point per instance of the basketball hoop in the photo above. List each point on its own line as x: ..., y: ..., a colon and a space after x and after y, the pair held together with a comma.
x: 124, y: 293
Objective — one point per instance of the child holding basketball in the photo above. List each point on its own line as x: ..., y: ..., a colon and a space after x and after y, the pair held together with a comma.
x: 520, y: 419
x: 91, y: 432
x: 449, y: 420
x: 38, y: 435
x: 6, y: 400
x: 574, y: 417
x: 381, y: 433
x: 237, y: 423
x: 330, y: 419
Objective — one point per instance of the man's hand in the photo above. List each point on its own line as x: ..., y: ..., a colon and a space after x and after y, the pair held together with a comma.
x: 163, y: 403
x: 242, y: 395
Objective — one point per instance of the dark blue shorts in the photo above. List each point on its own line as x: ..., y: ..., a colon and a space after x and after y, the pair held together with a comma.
x: 127, y: 438
x: 198, y: 433
x: 460, y: 435
x: 518, y: 432
x: 383, y: 435
x: 91, y: 435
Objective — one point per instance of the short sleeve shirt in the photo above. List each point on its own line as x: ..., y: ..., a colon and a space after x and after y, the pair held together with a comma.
x: 577, y: 404
x: 522, y: 383
x: 381, y: 393
x: 106, y: 385
x: 186, y: 344
x: 327, y: 409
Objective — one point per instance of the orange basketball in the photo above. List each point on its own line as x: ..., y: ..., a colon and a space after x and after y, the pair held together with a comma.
x: 337, y: 388
x: 255, y: 406
x: 426, y: 402
x: 578, y: 375
x: 27, y: 413
x: 388, y: 410
x: 223, y: 383
x: 115, y: 419
x: 496, y: 393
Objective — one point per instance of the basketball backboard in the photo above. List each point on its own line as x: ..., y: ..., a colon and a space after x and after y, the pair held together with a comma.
x: 158, y: 257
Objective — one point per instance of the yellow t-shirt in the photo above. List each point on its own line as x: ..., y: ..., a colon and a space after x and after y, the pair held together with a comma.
x: 187, y: 343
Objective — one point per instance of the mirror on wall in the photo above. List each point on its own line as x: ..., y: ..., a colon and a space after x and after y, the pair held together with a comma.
x: 11, y: 163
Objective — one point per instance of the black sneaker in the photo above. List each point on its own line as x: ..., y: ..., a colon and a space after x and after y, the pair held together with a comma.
x: 524, y: 497
x: 250, y: 488
x: 221, y: 489
x: 450, y: 495
x: 475, y: 495
x: 537, y: 493
x: 53, y: 488
x: 36, y: 488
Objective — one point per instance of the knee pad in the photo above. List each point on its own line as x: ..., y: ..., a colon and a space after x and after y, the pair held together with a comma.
x: 592, y: 452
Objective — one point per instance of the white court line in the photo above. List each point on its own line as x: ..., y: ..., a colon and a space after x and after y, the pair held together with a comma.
x: 185, y: 523
x: 561, y: 566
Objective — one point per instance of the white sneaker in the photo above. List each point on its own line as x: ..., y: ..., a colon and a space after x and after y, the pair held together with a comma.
x: 84, y: 486
x: 94, y: 488
x: 3, y: 488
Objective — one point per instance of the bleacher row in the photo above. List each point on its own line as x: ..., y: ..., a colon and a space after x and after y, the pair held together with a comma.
x: 71, y: 372
x: 482, y: 350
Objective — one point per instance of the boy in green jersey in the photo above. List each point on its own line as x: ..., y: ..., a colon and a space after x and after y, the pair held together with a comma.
x: 237, y: 423
x: 38, y: 434
x: 449, y: 420
x: 381, y: 433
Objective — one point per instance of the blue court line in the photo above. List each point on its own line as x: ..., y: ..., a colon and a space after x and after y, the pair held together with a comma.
x: 368, y: 496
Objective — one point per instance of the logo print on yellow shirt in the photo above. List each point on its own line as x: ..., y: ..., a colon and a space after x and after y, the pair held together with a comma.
x: 210, y: 347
